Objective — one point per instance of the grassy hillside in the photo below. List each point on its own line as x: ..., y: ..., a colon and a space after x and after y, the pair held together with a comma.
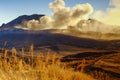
x: 87, y: 64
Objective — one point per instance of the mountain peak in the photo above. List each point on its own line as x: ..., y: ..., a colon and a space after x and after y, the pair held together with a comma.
x: 19, y: 20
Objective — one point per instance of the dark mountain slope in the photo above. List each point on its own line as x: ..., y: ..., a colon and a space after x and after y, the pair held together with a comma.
x: 19, y: 20
x: 20, y: 40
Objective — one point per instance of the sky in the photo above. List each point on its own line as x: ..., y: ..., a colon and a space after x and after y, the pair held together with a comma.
x: 11, y: 9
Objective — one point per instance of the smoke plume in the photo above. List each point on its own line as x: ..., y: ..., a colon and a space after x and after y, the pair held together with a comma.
x: 61, y: 18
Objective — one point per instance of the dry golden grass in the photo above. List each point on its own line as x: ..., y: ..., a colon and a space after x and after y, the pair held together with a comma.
x: 36, y: 68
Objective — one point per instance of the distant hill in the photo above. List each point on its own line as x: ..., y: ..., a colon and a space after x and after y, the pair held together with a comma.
x: 19, y: 20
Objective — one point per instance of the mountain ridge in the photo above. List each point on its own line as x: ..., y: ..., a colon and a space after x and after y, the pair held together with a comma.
x: 19, y: 21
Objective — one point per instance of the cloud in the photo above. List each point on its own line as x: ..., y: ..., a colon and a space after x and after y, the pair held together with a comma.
x: 111, y: 15
x: 115, y: 3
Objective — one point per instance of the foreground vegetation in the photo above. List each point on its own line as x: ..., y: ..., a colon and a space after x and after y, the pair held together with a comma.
x: 48, y: 67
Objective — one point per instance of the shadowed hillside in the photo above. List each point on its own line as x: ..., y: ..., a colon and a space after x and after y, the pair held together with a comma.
x: 20, y: 40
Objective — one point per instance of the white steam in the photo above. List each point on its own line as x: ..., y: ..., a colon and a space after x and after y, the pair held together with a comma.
x: 65, y: 16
